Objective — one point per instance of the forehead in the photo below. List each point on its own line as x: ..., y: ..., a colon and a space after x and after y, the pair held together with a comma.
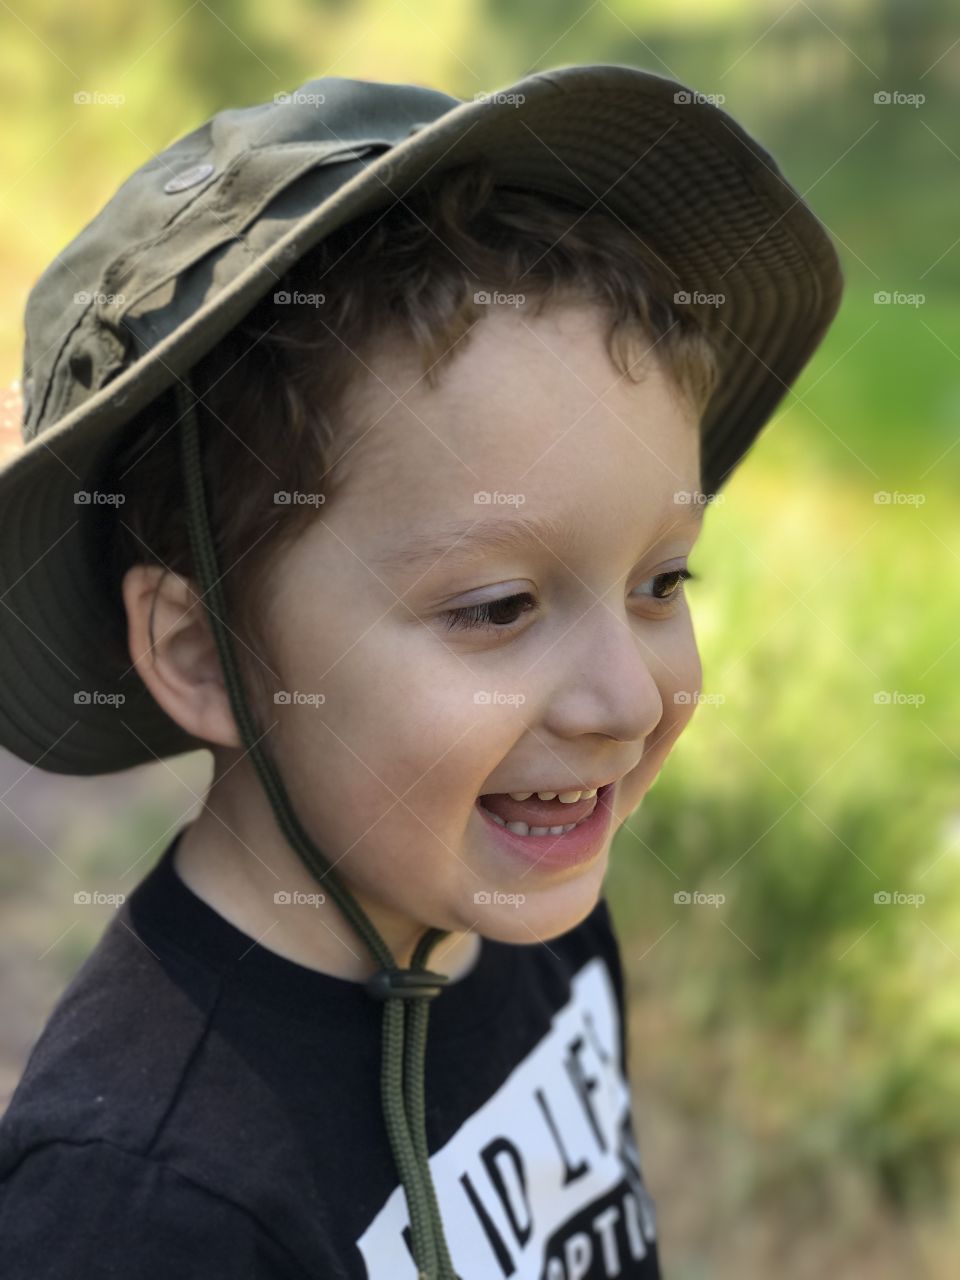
x: 530, y: 426
x: 462, y: 541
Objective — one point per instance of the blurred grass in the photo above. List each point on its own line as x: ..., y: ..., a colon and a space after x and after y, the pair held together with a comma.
x: 831, y: 1023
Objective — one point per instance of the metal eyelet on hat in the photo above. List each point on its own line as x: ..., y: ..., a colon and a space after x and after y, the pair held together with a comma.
x: 189, y: 178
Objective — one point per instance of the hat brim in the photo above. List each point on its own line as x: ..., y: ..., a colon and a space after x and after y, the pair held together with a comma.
x: 685, y: 177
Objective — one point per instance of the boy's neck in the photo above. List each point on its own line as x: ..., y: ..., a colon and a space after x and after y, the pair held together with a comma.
x: 239, y: 885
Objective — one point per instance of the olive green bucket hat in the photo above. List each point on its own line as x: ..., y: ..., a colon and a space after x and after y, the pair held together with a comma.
x: 186, y: 247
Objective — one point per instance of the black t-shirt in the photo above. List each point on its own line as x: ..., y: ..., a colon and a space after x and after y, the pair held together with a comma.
x: 200, y: 1107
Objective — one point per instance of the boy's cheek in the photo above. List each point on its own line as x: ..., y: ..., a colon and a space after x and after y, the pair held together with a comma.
x: 682, y: 696
x: 679, y: 707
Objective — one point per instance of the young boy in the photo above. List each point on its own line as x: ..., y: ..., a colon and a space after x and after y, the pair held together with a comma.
x: 395, y: 419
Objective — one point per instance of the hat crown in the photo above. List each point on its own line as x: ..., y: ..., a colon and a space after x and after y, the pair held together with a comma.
x: 186, y: 223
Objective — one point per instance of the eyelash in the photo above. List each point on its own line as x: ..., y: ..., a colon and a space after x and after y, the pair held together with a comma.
x: 478, y: 615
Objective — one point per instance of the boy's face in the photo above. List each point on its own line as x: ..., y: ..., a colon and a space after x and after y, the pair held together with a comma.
x: 573, y: 684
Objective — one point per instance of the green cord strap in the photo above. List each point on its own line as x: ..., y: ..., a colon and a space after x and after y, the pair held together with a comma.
x: 406, y: 994
x: 416, y: 1050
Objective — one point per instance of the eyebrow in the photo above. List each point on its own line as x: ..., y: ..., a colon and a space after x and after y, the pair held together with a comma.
x: 464, y: 540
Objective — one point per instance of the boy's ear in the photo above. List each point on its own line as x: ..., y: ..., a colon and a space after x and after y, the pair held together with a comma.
x: 173, y: 649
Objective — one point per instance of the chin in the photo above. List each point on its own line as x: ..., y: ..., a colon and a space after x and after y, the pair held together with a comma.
x: 539, y: 911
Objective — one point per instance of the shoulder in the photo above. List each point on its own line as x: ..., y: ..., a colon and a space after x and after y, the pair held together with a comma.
x: 94, y: 1209
x: 100, y: 1068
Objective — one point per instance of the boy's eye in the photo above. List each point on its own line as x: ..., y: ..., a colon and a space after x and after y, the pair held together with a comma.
x: 494, y: 613
x: 504, y: 614
x: 676, y: 577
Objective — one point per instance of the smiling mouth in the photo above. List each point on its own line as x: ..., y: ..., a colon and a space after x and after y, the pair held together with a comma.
x: 536, y: 817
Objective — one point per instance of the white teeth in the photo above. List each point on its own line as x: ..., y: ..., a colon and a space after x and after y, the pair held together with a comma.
x: 565, y: 797
x: 521, y: 828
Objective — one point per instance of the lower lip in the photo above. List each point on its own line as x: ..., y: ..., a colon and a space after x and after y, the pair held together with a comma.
x: 555, y: 853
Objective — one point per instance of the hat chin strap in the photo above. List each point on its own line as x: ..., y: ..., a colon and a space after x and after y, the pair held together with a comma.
x: 406, y: 993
